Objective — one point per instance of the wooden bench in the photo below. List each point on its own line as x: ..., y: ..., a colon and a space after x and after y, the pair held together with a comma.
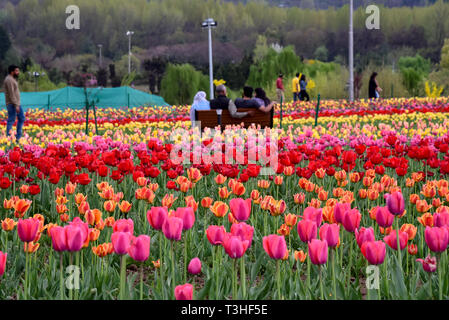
x: 210, y: 118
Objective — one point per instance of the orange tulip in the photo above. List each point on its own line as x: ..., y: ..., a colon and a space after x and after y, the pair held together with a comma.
x: 255, y: 194
x: 426, y: 219
x: 417, y: 176
x: 190, y: 202
x: 322, y: 195
x: 328, y: 214
x: 185, y: 186
x: 412, y: 249
x: 370, y: 173
x: 8, y: 203
x: 338, y: 192
x: 107, y: 193
x: 220, y: 179
x: 331, y: 202
x: 109, y: 221
x: 300, y: 256
x: 153, y: 186
x: 315, y: 203
x: 142, y: 181
x: 59, y: 192
x: 49, y: 227
x: 263, y: 184
x: 92, y: 217
x: 219, y: 209
x: 30, y: 247
x: 422, y: 206
x: 428, y: 191
x: 367, y: 181
x: 99, y: 251
x: 409, y: 183
x: 103, y: 185
x: 118, y: 197
x: 238, y: 189
x: 21, y: 207
x: 83, y: 207
x: 278, y: 180
x: 354, y: 177
x: 299, y: 198
x: 125, y: 206
x: 413, y: 198
x: 309, y: 187
x: 157, y: 263
x: 289, y: 170
x: 24, y: 189
x: 410, y: 229
x: 194, y: 174
x: 277, y: 208
x: 340, y: 175
x: 363, y: 193
x: 100, y: 224
x: 223, y: 192
x: 443, y: 191
x: 302, y: 183
x: 284, y: 230
x: 168, y: 200
x: 436, y: 202
x: 109, y: 206
x: 206, y: 202
x: 79, y: 198
x: 64, y: 217
x: 372, y: 213
x: 61, y: 208
x: 373, y: 194
x: 94, y: 234
x: 70, y: 188
x: 8, y: 224
x: 290, y: 219
x: 386, y: 231
x: 320, y: 173
x: 266, y: 202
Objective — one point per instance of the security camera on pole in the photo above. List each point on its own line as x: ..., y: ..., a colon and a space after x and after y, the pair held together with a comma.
x: 209, y: 24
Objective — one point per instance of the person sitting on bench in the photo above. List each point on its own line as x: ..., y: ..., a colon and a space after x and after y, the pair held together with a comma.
x: 199, y: 103
x: 224, y: 103
x: 248, y: 102
x: 262, y: 99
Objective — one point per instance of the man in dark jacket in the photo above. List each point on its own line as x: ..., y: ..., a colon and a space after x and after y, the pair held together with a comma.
x: 224, y: 103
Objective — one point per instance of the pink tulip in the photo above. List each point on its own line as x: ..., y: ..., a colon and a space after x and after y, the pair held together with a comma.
x: 307, y: 230
x: 318, y: 251
x: 194, y: 266
x: 172, y: 228
x: 81, y: 224
x: 58, y: 239
x: 392, y: 241
x: 340, y: 210
x: 74, y: 237
x: 123, y: 225
x: 139, y: 248
x: 215, y: 234
x: 374, y: 251
x: 3, y: 257
x: 441, y: 219
x: 364, y: 235
x: 184, y: 292
x: 384, y: 218
x: 187, y: 215
x: 311, y: 213
x: 395, y: 203
x: 121, y: 242
x: 234, y: 246
x: 436, y: 238
x: 275, y: 246
x: 330, y: 233
x: 27, y: 229
x: 243, y: 231
x: 351, y: 220
x: 429, y: 264
x: 156, y: 216
x: 241, y: 209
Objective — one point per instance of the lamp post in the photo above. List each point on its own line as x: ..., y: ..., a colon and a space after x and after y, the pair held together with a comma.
x: 209, y: 24
x: 36, y: 75
x: 101, y: 58
x: 351, y: 51
x: 129, y: 34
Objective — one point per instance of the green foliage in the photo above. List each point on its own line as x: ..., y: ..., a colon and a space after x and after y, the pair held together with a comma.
x: 418, y: 63
x: 413, y: 70
x: 321, y: 53
x: 181, y: 82
x: 445, y: 55
x: 128, y: 79
x: 27, y: 80
x: 5, y: 43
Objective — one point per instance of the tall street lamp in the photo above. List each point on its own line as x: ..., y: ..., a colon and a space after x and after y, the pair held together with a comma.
x: 101, y: 58
x: 351, y: 51
x: 129, y: 34
x: 209, y: 24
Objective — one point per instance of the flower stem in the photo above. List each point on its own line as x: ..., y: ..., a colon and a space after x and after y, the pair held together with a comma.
x: 123, y: 277
x: 141, y: 281
x: 243, y: 277
x: 234, y: 280
x: 308, y: 277
x: 440, y: 281
x: 334, y: 281
x: 172, y: 266
x: 278, y: 278
x: 398, y: 242
x: 321, y: 283
x: 61, y: 279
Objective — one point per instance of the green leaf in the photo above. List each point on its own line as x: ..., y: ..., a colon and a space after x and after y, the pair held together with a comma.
x: 397, y: 276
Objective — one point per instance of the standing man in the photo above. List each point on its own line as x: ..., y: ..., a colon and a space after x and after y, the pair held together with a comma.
x: 12, y: 99
x: 280, y: 88
x: 295, y: 88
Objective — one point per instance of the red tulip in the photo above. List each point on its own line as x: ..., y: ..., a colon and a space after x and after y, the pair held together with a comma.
x: 187, y: 215
x: 275, y: 246
x: 374, y: 251
x: 184, y: 292
x: 123, y: 225
x: 156, y: 216
x: 307, y: 230
x: 383, y: 217
x: 121, y: 242
x: 139, y: 248
x: 318, y: 251
x: 311, y: 213
x: 27, y: 229
x: 395, y: 203
x: 364, y: 235
x: 172, y: 228
x: 437, y: 238
x: 241, y: 209
x: 429, y: 264
x: 392, y: 242
x: 234, y: 246
x: 330, y: 233
x: 351, y: 220
x: 3, y: 257
x: 194, y: 266
x: 215, y: 234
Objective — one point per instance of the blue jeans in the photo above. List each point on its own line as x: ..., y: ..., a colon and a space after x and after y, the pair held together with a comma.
x: 12, y: 114
x: 295, y: 96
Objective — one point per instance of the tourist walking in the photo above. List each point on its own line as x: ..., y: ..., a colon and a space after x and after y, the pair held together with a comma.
x: 12, y: 99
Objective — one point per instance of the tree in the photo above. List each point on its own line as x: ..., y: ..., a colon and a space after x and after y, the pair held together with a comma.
x: 5, y: 43
x: 444, y: 63
x: 155, y: 69
x: 102, y: 77
x: 321, y: 53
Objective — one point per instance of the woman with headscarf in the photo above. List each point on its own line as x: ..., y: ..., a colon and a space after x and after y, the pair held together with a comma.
x: 262, y: 99
x: 199, y: 103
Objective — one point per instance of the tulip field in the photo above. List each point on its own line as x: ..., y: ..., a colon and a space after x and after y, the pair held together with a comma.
x: 357, y: 207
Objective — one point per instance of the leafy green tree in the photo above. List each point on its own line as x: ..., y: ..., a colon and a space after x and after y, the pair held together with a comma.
x: 5, y: 43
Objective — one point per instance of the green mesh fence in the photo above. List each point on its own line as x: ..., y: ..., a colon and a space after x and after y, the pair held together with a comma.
x: 74, y: 98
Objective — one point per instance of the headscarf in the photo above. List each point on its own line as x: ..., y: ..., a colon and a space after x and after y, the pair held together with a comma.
x: 199, y: 97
